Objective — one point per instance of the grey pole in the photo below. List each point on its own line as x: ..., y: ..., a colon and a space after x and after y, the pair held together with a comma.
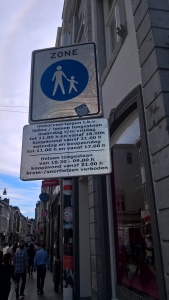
x: 67, y: 224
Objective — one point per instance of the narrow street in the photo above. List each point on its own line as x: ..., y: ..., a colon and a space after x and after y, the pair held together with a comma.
x: 31, y: 290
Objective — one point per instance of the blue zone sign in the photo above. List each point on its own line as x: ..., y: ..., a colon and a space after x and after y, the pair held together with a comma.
x: 64, y: 82
x: 44, y: 197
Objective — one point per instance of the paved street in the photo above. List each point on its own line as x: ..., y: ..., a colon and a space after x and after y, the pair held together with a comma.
x: 30, y: 290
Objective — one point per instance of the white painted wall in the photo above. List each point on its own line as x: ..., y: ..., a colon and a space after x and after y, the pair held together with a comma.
x: 84, y: 246
x: 125, y: 73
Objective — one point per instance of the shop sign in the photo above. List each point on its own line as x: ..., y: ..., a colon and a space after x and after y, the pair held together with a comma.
x: 50, y: 182
x: 67, y: 187
x: 43, y: 213
x: 68, y: 215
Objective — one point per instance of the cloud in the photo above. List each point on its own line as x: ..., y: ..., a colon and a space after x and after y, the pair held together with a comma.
x: 25, y: 27
x: 23, y: 194
x: 33, y: 25
x: 11, y: 135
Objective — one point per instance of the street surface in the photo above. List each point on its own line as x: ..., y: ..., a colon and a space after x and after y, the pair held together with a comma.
x: 31, y: 290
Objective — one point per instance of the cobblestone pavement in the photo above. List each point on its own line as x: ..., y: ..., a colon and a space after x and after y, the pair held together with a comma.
x: 31, y: 290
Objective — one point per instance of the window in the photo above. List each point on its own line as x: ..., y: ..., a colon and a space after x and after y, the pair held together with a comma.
x: 78, y: 24
x: 136, y: 266
x: 129, y: 158
x: 120, y: 203
x: 115, y: 25
x: 110, y: 2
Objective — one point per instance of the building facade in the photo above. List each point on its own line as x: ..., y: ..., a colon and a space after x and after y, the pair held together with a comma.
x: 5, y: 212
x: 121, y: 227
x: 13, y: 225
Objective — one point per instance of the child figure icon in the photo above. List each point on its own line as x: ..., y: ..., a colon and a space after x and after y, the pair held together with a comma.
x: 58, y: 77
x: 72, y: 84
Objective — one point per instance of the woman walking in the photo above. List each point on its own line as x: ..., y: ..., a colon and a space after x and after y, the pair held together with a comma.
x: 31, y: 254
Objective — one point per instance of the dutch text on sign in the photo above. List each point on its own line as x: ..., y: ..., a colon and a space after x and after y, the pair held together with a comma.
x: 65, y: 149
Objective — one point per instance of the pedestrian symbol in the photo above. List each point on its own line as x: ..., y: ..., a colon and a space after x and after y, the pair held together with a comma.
x: 64, y: 80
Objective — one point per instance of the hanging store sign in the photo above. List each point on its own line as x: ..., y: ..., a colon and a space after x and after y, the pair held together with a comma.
x: 50, y: 182
x: 65, y: 149
x: 43, y: 213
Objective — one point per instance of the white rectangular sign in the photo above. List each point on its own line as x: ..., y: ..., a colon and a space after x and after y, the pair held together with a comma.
x: 65, y: 149
x: 64, y: 84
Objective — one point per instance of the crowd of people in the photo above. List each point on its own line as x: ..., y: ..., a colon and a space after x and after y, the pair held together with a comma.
x: 18, y: 261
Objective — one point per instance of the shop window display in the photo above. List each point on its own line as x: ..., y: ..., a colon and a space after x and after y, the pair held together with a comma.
x: 134, y: 244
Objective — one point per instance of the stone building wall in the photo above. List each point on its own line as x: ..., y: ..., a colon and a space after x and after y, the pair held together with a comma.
x: 152, y: 31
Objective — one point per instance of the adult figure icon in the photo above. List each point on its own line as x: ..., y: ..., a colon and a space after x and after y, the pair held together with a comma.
x: 58, y: 77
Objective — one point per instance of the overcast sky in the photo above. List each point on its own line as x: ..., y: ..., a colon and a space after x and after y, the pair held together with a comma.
x: 25, y: 25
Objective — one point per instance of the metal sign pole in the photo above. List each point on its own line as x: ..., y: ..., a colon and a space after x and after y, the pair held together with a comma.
x: 68, y: 281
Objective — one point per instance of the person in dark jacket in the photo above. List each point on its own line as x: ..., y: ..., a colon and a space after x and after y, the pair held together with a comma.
x: 15, y: 247
x: 6, y: 273
x: 31, y: 254
x: 1, y: 270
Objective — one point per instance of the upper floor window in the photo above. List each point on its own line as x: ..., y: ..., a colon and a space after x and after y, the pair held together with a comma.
x: 115, y: 24
x: 129, y: 158
x: 78, y: 23
x: 110, y: 2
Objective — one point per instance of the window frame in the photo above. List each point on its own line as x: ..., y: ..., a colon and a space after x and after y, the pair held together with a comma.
x: 111, y: 54
x: 78, y: 24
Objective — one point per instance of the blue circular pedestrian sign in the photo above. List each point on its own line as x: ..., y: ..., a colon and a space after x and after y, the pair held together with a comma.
x: 44, y: 197
x: 64, y: 80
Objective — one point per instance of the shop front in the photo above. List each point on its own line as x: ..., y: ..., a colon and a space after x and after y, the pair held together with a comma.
x: 136, y: 239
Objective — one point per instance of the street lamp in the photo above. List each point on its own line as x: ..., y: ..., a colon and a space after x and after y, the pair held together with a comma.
x: 4, y: 192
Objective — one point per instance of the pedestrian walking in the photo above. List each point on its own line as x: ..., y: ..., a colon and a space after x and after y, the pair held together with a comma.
x: 20, y: 261
x: 37, y: 247
x: 1, y: 256
x: 26, y: 246
x: 10, y: 250
x: 1, y: 270
x: 15, y: 246
x: 31, y: 254
x: 8, y: 273
x: 40, y: 262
